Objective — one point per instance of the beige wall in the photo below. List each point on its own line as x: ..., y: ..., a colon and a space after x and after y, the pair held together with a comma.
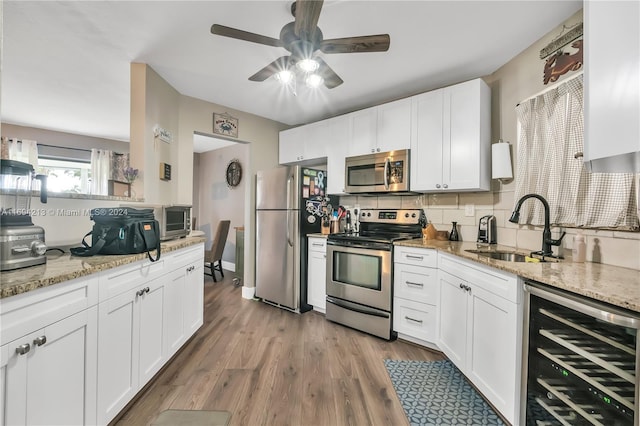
x: 216, y: 201
x: 517, y: 80
x: 155, y: 103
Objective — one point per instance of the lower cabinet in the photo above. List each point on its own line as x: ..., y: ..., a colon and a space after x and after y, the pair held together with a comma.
x: 48, y: 376
x: 130, y: 345
x: 317, y: 274
x: 415, y: 301
x: 481, y: 329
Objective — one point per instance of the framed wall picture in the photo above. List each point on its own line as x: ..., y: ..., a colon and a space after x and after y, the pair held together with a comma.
x: 224, y: 124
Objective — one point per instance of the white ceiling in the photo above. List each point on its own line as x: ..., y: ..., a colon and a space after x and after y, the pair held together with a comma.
x: 66, y: 66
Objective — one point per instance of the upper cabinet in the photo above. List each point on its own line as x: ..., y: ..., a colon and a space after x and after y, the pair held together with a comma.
x: 336, y: 152
x: 382, y: 128
x: 291, y: 147
x: 304, y: 143
x: 612, y: 86
x: 450, y: 139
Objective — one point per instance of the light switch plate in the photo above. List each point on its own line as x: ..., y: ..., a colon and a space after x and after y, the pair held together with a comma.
x: 469, y: 210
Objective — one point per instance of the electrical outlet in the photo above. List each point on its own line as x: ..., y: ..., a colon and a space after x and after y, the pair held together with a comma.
x: 469, y: 210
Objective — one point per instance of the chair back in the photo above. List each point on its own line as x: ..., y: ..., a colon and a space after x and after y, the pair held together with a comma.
x: 220, y: 240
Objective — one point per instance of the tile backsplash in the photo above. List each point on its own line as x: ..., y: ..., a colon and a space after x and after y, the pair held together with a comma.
x: 619, y: 248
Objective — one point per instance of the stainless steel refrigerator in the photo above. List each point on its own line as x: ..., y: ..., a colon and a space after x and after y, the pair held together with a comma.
x: 289, y: 203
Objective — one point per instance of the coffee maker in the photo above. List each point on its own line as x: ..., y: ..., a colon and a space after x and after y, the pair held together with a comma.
x: 21, y: 242
x: 487, y: 230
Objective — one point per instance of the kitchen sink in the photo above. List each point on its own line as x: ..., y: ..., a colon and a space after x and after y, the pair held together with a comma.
x: 507, y: 256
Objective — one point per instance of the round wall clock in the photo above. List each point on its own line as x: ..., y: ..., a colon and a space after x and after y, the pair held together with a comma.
x: 234, y: 173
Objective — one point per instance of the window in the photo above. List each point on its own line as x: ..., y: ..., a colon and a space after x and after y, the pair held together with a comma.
x: 65, y: 175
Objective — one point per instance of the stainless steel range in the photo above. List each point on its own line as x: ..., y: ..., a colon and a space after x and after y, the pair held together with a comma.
x: 360, y: 269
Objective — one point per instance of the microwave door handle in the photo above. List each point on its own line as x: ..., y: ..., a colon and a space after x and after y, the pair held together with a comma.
x: 289, y: 182
x: 387, y: 164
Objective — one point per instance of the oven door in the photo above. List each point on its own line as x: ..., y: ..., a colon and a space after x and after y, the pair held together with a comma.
x: 360, y: 275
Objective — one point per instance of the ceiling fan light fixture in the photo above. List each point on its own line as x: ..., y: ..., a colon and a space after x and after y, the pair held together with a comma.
x: 308, y: 65
x: 284, y: 76
x: 314, y: 80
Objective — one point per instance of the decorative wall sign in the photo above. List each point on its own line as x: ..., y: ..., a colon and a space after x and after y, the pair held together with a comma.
x: 234, y: 173
x: 561, y: 63
x: 224, y: 124
x: 165, y: 171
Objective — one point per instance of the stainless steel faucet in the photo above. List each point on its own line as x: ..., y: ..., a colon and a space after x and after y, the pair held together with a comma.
x: 547, y: 241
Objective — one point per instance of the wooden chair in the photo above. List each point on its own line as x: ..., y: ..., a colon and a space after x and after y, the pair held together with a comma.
x: 214, y: 256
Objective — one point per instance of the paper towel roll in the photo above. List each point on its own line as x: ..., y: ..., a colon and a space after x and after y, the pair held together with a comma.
x: 501, y: 161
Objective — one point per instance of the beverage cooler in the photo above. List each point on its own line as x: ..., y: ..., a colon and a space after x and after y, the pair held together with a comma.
x: 580, y: 361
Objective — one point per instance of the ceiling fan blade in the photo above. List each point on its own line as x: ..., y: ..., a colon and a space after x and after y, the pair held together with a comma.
x: 372, y: 43
x: 307, y: 13
x: 244, y: 35
x: 331, y: 79
x: 276, y: 66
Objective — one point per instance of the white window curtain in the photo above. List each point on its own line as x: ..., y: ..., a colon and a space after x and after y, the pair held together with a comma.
x: 100, y: 171
x: 25, y: 151
x: 551, y: 133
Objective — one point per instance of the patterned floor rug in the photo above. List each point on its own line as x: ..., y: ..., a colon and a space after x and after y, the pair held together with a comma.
x: 436, y: 393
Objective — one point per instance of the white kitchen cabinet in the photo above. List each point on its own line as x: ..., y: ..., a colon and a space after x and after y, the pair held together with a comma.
x: 130, y: 345
x: 49, y: 375
x: 394, y: 125
x: 382, y: 128
x: 612, y: 86
x: 481, y: 329
x: 291, y: 145
x: 416, y: 294
x: 336, y: 151
x: 184, y: 298
x: 317, y: 273
x: 450, y: 139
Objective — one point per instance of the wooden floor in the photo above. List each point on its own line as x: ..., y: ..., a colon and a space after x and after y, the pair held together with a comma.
x: 268, y: 366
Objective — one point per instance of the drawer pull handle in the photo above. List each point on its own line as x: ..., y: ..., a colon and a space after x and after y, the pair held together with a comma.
x: 410, y: 256
x: 465, y: 287
x: 143, y: 291
x: 23, y: 349
x: 416, y: 284
x: 39, y: 341
x: 413, y: 319
x: 317, y: 244
x: 146, y: 289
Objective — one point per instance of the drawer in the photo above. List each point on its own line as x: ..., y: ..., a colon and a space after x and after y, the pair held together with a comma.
x: 500, y: 283
x: 125, y: 278
x: 414, y: 319
x: 416, y: 256
x: 317, y: 244
x: 185, y: 256
x: 416, y: 283
x: 27, y: 312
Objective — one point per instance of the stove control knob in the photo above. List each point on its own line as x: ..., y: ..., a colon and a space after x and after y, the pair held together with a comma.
x: 406, y: 215
x: 413, y: 215
x: 38, y: 248
x: 369, y: 214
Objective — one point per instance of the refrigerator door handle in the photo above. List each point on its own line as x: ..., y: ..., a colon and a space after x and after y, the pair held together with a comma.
x: 289, y: 181
x: 387, y: 164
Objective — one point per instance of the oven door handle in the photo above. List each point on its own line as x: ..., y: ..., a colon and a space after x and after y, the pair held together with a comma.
x: 359, y: 309
x: 387, y: 165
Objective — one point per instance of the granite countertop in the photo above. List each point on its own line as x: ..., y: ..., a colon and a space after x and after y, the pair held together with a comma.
x: 610, y: 284
x: 63, y: 267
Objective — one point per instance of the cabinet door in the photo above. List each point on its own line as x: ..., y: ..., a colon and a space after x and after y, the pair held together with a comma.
x: 612, y: 86
x: 152, y: 347
x: 317, y: 280
x: 291, y: 145
x: 13, y: 366
x: 317, y: 137
x: 194, y: 298
x: 363, y: 132
x: 61, y: 386
x: 394, y: 125
x: 118, y: 337
x: 175, y: 294
x: 426, y: 141
x: 453, y: 319
x: 336, y: 153
x: 493, y: 349
x: 466, y: 146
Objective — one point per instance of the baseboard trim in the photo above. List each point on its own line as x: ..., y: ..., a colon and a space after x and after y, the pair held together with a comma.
x: 228, y: 266
x: 248, y: 292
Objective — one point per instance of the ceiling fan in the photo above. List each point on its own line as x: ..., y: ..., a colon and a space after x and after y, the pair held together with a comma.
x: 303, y: 39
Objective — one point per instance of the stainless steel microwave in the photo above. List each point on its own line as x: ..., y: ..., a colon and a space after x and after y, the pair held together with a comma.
x: 174, y: 219
x: 382, y: 172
